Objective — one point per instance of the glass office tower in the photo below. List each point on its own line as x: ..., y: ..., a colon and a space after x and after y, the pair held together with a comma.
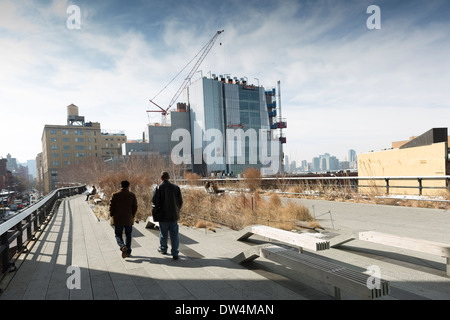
x: 229, y: 124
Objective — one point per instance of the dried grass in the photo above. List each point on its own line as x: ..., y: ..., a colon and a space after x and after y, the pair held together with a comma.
x: 239, y: 210
x: 192, y: 179
x: 252, y: 178
x: 372, y: 195
x: 142, y: 173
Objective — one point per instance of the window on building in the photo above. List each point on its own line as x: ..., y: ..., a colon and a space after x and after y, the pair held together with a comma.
x: 65, y: 132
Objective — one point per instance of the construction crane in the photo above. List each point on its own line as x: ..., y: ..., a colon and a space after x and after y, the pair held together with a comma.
x: 203, y: 53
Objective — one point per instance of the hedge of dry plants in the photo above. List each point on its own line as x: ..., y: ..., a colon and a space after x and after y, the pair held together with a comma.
x: 200, y: 209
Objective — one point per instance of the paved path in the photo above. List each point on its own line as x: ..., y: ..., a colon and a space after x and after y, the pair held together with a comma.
x: 413, y: 275
x: 74, y: 237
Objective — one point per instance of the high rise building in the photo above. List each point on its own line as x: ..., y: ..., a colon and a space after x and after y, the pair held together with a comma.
x: 230, y: 125
x: 4, y: 181
x: 352, y: 159
x: 287, y: 164
x: 63, y: 145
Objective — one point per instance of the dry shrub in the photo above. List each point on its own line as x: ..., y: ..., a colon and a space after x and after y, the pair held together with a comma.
x: 192, y: 179
x: 275, y: 200
x: 253, y: 178
x: 143, y: 172
x: 238, y: 211
x: 445, y: 195
x: 140, y: 185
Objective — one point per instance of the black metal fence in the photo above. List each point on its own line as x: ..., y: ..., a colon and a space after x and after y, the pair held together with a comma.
x: 23, y: 226
x: 355, y: 183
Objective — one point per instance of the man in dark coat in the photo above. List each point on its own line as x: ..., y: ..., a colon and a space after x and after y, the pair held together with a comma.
x: 92, y: 193
x: 167, y: 197
x: 122, y: 209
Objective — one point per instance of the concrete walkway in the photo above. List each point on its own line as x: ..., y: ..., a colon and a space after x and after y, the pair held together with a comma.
x: 74, y: 237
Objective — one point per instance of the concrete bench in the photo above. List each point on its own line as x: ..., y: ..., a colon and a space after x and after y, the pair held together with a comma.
x: 313, y: 266
x: 419, y: 245
x: 300, y: 240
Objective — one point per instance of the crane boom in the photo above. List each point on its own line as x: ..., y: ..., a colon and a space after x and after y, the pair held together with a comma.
x: 204, y: 52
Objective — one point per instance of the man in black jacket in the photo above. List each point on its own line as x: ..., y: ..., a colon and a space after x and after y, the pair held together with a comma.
x: 167, y: 197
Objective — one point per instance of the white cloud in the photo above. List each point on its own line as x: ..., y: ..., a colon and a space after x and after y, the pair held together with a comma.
x: 343, y: 86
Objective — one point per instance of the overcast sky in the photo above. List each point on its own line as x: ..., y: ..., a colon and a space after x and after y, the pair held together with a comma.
x: 343, y: 85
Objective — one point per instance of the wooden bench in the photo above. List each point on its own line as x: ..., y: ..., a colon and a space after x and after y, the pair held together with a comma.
x: 419, y: 245
x: 352, y: 281
x: 300, y: 240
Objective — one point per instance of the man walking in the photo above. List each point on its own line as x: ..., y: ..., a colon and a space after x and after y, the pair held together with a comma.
x: 167, y: 198
x: 122, y: 209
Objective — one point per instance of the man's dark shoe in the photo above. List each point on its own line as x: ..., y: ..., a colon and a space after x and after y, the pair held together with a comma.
x: 124, y: 252
x: 162, y: 252
x: 175, y: 257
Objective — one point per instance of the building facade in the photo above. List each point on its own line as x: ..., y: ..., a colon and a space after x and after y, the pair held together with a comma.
x: 64, y: 145
x: 5, y: 175
x: 426, y: 155
x: 230, y: 125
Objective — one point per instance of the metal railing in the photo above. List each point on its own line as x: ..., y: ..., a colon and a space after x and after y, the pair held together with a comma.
x: 22, y: 226
x: 420, y: 180
x: 352, y: 182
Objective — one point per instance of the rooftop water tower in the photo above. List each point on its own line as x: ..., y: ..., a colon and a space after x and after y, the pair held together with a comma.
x: 72, y: 116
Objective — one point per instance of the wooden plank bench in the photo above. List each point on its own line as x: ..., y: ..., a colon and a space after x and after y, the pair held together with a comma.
x: 313, y: 266
x: 419, y: 245
x: 300, y: 240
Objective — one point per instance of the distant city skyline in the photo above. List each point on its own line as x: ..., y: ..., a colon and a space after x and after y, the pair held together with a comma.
x: 336, y: 163
x: 342, y: 82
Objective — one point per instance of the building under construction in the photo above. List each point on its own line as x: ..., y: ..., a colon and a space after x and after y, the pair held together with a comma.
x: 228, y: 119
x: 225, y: 123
